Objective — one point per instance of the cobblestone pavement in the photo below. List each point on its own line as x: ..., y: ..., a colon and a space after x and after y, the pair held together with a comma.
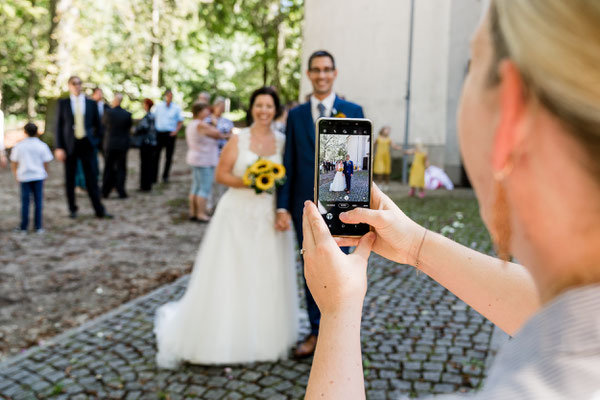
x: 417, y: 339
x: 359, y: 188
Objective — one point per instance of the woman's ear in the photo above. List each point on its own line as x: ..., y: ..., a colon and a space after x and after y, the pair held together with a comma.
x: 513, y: 103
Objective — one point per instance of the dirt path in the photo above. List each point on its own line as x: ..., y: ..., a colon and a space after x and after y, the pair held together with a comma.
x: 85, y: 267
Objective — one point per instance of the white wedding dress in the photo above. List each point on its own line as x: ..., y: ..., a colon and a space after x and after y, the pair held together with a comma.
x: 339, y: 182
x: 241, y: 301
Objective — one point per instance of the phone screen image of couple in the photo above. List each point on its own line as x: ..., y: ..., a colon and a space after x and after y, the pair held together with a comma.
x: 344, y: 175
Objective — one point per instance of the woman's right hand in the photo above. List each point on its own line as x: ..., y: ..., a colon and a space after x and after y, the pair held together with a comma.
x: 398, y: 237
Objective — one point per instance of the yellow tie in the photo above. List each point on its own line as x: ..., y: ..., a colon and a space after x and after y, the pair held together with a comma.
x: 79, y: 129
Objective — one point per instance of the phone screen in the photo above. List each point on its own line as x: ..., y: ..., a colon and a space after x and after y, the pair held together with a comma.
x: 343, y: 171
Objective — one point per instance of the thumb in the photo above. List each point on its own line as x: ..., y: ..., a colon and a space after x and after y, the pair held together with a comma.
x: 362, y: 215
x: 363, y: 250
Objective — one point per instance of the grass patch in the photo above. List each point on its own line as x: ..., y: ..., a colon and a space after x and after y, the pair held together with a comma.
x: 57, y: 389
x: 454, y: 216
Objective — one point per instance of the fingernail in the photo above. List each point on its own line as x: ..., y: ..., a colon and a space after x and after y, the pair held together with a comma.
x: 306, y: 203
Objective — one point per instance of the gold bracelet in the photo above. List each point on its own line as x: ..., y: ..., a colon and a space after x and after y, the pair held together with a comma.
x: 419, y: 250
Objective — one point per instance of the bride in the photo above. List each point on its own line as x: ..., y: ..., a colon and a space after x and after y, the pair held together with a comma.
x: 240, y: 304
x: 339, y: 183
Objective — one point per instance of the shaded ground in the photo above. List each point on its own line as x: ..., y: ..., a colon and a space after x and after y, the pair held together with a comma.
x: 86, y: 267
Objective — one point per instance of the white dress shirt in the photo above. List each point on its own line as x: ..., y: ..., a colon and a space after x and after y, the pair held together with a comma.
x: 81, y: 100
x: 327, y: 102
x: 100, y: 108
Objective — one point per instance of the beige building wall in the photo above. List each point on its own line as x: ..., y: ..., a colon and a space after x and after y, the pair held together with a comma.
x: 369, y: 40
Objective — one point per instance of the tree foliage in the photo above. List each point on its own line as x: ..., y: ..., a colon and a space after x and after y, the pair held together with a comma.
x: 141, y: 47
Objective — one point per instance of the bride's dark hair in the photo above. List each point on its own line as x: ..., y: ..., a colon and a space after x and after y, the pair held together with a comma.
x: 263, y: 90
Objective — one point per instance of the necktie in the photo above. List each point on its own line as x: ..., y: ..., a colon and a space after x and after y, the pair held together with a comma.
x: 321, y: 108
x: 79, y: 129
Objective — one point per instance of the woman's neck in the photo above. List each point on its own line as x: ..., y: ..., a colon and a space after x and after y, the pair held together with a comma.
x: 261, y: 130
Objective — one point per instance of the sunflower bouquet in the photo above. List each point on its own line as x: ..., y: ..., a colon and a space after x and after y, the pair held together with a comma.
x: 264, y: 176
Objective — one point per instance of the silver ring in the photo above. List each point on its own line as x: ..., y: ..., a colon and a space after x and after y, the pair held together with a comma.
x: 302, y: 251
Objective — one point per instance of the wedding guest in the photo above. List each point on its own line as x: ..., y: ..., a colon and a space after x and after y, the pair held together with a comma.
x: 241, y: 304
x: 224, y: 126
x: 30, y: 158
x: 116, y: 144
x: 416, y: 178
x: 203, y: 155
x: 299, y: 161
x: 168, y: 121
x: 382, y: 164
x: 203, y: 97
x: 77, y: 124
x: 146, y: 136
x: 98, y: 97
x: 529, y: 132
x: 216, y: 119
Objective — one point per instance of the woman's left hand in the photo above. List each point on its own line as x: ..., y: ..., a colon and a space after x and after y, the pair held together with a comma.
x: 337, y: 281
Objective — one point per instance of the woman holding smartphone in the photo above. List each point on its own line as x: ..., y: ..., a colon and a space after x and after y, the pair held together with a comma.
x: 529, y: 126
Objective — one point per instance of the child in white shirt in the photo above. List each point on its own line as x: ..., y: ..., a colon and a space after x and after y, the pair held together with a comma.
x: 30, y: 158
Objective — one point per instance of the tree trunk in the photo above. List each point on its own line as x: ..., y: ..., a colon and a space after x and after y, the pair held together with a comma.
x: 31, y: 91
x: 279, y: 43
x: 52, y: 42
x: 156, y: 50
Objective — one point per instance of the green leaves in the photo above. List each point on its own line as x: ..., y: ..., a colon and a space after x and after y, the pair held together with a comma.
x: 140, y: 47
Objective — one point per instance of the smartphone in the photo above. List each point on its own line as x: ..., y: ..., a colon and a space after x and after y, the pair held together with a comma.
x: 343, y: 171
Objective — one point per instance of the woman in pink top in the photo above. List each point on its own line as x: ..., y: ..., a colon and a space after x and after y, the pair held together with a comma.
x: 203, y: 156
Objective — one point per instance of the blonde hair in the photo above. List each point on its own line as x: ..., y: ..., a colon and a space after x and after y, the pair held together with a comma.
x: 556, y: 46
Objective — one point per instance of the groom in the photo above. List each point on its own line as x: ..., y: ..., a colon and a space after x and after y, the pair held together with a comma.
x: 348, y: 172
x: 299, y: 161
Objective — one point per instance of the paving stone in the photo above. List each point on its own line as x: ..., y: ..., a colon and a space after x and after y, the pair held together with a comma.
x: 422, y: 386
x: 376, y: 395
x: 451, y: 378
x: 418, y: 356
x: 251, y: 376
x: 249, y: 389
x: 443, y: 388
x: 400, y: 384
x: 195, y: 390
x: 214, y: 394
x: 432, y: 376
x: 412, y: 365
x: 269, y: 381
x: 433, y: 366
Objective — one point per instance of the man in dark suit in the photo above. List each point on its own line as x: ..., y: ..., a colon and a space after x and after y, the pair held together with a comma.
x: 299, y: 161
x: 117, y: 124
x: 348, y: 172
x: 77, y: 126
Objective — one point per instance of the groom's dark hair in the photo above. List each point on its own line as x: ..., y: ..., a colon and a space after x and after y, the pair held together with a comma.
x: 320, y: 53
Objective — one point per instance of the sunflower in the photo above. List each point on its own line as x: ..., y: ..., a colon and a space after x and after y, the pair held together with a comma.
x: 247, y: 177
x: 265, y: 181
x: 278, y: 171
x: 261, y: 166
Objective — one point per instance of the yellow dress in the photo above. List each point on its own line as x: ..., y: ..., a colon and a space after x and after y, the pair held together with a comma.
x: 417, y: 171
x: 383, y: 163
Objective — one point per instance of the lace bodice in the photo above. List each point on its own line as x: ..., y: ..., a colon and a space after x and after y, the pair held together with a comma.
x: 247, y: 157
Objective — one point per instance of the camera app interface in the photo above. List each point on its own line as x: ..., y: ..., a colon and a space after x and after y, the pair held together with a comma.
x: 344, y: 175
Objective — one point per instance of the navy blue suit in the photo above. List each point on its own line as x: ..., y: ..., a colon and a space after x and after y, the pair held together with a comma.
x: 348, y: 171
x: 299, y: 162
